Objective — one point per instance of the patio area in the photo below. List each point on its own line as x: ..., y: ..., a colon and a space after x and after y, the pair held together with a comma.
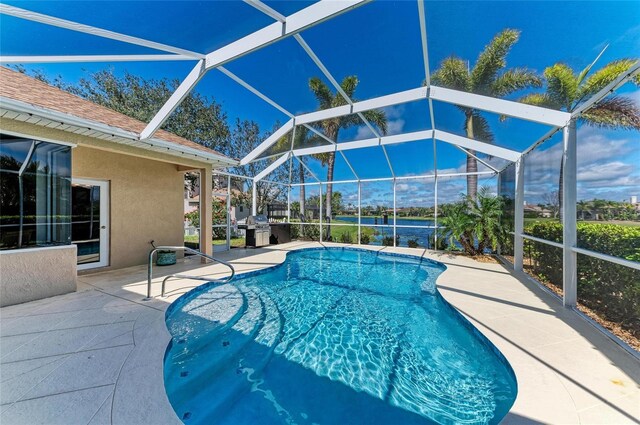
x: 95, y: 356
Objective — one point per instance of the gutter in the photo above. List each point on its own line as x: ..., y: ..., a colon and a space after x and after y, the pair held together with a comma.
x: 68, y: 119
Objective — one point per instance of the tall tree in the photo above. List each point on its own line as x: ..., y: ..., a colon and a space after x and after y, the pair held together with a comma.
x: 245, y: 136
x: 490, y: 78
x: 567, y: 90
x: 328, y: 99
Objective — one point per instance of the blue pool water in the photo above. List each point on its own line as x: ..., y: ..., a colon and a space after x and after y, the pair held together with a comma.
x: 332, y: 336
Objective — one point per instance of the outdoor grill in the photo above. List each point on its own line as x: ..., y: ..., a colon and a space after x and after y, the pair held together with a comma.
x: 258, y: 231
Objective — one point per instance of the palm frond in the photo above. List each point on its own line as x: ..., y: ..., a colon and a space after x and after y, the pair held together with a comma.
x: 616, y: 112
x: 604, y: 76
x: 562, y: 85
x: 378, y: 118
x: 322, y: 92
x: 540, y: 99
x: 492, y: 59
x: 514, y: 80
x: 349, y: 85
x: 453, y: 73
x: 481, y: 129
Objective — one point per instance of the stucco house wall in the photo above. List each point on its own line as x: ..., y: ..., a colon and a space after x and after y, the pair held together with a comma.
x: 146, y: 201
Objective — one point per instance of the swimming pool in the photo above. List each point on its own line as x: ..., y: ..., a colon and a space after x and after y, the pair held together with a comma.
x: 332, y: 336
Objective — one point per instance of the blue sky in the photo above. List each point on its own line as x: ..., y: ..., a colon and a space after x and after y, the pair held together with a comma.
x: 379, y: 43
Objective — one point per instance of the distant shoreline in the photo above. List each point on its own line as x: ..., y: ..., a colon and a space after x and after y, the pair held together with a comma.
x: 390, y: 217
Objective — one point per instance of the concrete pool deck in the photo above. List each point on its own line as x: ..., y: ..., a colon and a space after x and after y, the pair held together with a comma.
x: 95, y: 356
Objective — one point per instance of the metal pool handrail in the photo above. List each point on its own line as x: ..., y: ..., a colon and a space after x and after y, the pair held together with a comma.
x: 192, y: 251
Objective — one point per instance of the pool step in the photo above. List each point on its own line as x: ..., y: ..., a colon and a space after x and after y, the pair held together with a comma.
x: 239, y: 375
x: 195, y: 323
x: 195, y: 374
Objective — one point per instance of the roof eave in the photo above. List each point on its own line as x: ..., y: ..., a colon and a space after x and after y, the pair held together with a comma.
x: 173, y: 149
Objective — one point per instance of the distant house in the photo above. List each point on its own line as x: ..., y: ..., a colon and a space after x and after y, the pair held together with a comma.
x: 237, y: 213
x: 537, y: 211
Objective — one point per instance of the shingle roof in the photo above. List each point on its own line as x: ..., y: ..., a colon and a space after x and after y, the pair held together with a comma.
x: 18, y: 86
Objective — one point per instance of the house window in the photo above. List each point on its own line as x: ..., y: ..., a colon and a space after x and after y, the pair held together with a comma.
x: 35, y: 193
x: 241, y: 208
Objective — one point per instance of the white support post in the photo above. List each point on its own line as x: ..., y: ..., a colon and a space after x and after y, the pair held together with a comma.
x: 254, y: 199
x: 320, y: 211
x: 435, y: 214
x: 518, y: 241
x: 499, y: 190
x: 359, y: 210
x: 570, y: 232
x: 394, y: 212
x: 289, y: 203
x: 228, y: 213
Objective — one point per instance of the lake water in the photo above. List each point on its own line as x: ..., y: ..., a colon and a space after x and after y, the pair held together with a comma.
x: 421, y: 235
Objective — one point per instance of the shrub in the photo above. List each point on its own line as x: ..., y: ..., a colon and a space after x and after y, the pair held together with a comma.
x: 388, y: 240
x: 413, y: 243
x: 295, y: 231
x: 346, y: 237
x: 311, y: 232
x: 219, y: 216
x: 365, y: 239
x: 442, y: 241
x: 610, y: 289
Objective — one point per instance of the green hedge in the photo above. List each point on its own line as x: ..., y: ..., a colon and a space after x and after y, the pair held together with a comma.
x: 611, y: 290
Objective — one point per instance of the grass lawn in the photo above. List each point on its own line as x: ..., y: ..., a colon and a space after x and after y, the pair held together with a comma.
x: 338, y: 231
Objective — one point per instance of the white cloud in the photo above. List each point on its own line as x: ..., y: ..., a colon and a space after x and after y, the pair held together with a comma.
x: 607, y: 166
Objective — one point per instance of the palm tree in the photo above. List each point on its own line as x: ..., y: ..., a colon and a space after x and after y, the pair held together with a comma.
x: 332, y: 126
x: 301, y: 138
x: 475, y: 223
x: 490, y: 78
x: 567, y: 90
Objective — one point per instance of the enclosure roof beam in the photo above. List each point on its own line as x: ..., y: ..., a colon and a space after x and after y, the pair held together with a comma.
x: 340, y: 90
x: 477, y: 158
x: 423, y: 38
x: 500, y: 106
x: 268, y: 142
x: 253, y: 90
x: 366, y: 143
x: 306, y: 167
x: 93, y: 58
x: 364, y: 105
x: 381, y: 179
x: 293, y: 24
x: 478, y: 146
x: 275, y: 164
x: 267, y: 10
x: 87, y: 29
x: 174, y: 100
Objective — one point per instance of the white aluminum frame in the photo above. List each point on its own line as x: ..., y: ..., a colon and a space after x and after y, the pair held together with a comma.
x: 292, y: 25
